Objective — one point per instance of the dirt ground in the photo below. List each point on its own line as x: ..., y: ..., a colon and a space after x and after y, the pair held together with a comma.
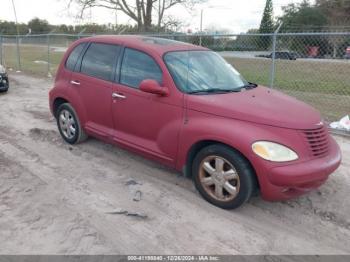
x: 59, y: 199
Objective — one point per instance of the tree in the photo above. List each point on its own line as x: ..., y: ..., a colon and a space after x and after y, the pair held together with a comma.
x: 10, y: 28
x: 267, y: 24
x: 302, y: 17
x: 250, y: 42
x: 338, y: 15
x: 337, y: 11
x: 39, y: 26
x: 141, y: 11
x: 170, y: 23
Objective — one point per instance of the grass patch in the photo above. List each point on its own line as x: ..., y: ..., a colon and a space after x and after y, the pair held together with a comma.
x: 30, y: 54
x: 325, y: 77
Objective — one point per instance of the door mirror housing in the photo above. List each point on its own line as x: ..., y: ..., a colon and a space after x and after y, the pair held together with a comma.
x: 153, y: 87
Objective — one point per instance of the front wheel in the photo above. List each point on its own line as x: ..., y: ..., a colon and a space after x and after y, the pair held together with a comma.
x: 223, y: 176
x: 69, y: 125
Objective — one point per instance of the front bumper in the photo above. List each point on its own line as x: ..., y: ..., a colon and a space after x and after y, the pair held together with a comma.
x: 285, y: 182
x: 4, y: 82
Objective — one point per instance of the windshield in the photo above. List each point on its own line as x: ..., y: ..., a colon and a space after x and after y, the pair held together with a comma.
x: 202, y: 71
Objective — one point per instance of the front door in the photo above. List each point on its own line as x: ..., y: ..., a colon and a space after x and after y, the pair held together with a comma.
x: 146, y: 122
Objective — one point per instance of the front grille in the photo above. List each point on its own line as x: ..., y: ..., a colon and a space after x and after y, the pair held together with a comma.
x: 318, y: 140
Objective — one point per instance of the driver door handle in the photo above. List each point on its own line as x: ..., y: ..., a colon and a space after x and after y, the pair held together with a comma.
x: 76, y: 83
x: 120, y: 96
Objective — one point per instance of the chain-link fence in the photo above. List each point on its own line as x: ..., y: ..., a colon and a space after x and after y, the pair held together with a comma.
x: 314, y: 67
x: 37, y: 54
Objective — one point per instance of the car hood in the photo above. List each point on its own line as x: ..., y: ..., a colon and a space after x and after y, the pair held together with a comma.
x: 259, y: 105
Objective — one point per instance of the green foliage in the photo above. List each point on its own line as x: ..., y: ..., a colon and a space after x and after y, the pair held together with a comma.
x: 9, y: 28
x: 267, y: 25
x: 302, y: 17
x: 324, y: 15
x: 248, y: 42
x: 39, y: 26
x: 336, y: 11
x: 307, y: 17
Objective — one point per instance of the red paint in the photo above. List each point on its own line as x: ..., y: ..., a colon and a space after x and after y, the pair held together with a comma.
x: 163, y: 126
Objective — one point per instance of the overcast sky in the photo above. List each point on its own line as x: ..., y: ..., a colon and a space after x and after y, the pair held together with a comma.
x: 232, y: 15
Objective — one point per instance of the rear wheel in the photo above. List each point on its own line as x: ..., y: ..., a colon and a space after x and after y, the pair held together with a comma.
x: 69, y: 125
x: 223, y: 176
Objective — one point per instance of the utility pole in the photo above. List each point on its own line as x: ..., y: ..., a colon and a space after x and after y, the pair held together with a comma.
x: 14, y: 11
x: 201, y: 28
x: 116, y: 16
x: 201, y: 25
x: 159, y: 6
x: 17, y: 38
x: 202, y: 18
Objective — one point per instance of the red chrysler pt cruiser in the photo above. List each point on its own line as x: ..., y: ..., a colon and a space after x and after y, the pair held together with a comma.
x: 186, y: 107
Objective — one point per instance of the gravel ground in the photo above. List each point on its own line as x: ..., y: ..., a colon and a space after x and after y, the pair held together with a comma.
x: 59, y: 199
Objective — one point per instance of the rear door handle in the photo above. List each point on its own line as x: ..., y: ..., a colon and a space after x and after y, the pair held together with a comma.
x: 76, y: 83
x: 120, y: 96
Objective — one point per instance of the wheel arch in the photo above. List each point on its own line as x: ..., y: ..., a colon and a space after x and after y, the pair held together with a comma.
x: 57, y: 103
x: 199, y: 145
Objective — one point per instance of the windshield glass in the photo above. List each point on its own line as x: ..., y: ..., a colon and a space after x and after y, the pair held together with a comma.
x: 202, y: 71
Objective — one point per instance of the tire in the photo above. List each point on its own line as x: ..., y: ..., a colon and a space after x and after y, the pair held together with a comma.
x: 236, y: 171
x: 69, y: 125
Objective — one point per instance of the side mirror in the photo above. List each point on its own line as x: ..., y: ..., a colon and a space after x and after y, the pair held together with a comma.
x: 153, y: 87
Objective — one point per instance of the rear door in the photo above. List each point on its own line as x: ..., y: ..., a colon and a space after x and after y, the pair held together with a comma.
x: 92, y: 82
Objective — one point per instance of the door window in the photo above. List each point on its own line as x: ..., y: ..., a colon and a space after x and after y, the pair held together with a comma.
x: 74, y: 56
x: 138, y: 66
x: 99, y: 60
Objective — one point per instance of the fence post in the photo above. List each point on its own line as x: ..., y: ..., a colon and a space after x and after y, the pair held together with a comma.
x: 81, y: 32
x: 49, y: 53
x: 19, y: 68
x: 48, y: 56
x: 273, y: 65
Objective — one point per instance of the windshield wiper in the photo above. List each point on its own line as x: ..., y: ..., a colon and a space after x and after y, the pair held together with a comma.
x: 213, y: 90
x: 248, y: 86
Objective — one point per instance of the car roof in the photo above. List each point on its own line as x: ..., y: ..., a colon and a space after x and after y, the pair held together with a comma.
x: 145, y: 43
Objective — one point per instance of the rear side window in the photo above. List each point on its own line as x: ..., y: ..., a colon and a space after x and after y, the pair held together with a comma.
x: 74, y: 56
x: 138, y: 66
x: 99, y: 60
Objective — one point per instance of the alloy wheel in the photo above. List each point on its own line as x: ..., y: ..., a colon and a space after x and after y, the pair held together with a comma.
x: 67, y: 124
x: 219, y: 178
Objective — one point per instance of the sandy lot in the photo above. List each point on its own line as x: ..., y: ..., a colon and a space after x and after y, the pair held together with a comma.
x: 59, y: 199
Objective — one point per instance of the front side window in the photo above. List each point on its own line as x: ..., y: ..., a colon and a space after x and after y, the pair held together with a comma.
x: 99, y: 60
x: 138, y: 66
x: 202, y: 71
x: 74, y: 56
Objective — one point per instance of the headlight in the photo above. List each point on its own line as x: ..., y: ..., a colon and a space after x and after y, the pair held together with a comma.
x: 273, y: 152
